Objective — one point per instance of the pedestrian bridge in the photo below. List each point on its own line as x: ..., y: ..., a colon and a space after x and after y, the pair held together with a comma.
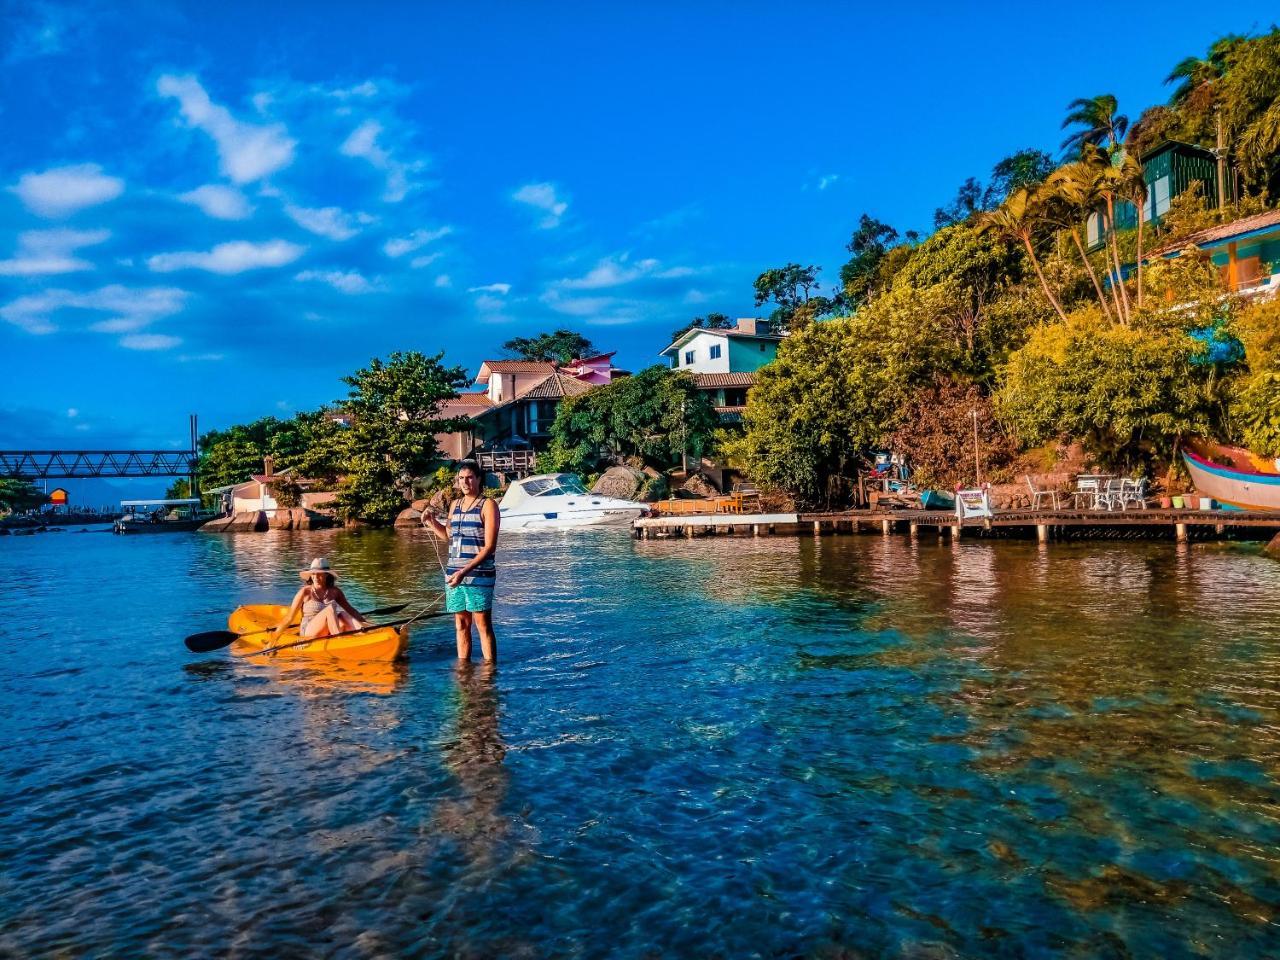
x: 87, y: 464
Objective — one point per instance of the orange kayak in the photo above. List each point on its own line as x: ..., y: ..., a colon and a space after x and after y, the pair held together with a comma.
x: 381, y: 644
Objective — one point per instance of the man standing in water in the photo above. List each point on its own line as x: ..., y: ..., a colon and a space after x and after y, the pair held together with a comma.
x: 472, y: 533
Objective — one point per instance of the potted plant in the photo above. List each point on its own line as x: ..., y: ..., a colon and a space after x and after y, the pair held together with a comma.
x: 1166, y: 502
x: 1177, y: 503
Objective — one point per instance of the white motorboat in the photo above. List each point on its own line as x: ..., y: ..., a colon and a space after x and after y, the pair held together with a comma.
x: 559, y: 501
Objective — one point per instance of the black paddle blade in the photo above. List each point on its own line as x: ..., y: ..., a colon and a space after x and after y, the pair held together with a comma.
x: 210, y: 640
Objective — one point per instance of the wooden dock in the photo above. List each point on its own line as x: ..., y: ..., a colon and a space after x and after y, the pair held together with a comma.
x: 1042, y: 525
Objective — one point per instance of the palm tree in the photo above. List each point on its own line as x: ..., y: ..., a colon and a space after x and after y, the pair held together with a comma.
x: 1099, y: 123
x: 1109, y: 182
x: 1197, y: 82
x: 1069, y: 196
x: 1017, y: 219
x: 1132, y: 186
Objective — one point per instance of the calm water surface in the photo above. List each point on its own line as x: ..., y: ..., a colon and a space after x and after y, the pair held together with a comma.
x: 855, y: 747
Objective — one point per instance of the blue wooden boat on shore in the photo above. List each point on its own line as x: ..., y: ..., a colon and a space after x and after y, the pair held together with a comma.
x: 1233, y: 476
x: 937, y: 500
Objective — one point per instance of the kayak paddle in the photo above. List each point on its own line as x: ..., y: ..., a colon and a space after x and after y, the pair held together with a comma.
x: 217, y: 639
x: 376, y: 626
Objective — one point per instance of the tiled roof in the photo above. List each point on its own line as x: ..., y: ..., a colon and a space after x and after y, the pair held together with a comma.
x: 1258, y: 221
x: 518, y: 366
x: 464, y: 404
x: 555, y: 385
x: 709, y: 381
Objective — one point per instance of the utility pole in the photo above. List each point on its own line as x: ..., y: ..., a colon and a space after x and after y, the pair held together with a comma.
x: 977, y: 465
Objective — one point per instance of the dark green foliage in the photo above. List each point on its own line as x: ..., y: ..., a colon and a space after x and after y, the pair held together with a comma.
x: 863, y: 274
x: 394, y: 409
x: 559, y: 346
x: 653, y: 416
x: 790, y: 288
x: 19, y: 495
x: 1022, y: 170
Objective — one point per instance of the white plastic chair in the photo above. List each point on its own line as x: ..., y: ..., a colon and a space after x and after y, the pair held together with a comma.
x: 1037, y: 495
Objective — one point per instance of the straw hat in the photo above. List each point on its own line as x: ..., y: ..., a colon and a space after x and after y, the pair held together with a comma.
x: 318, y: 565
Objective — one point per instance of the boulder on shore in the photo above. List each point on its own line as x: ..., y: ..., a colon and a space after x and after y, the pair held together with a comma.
x: 1273, y: 548
x: 248, y: 522
x: 622, y: 482
x: 297, y: 518
x: 700, y: 486
x: 410, y: 516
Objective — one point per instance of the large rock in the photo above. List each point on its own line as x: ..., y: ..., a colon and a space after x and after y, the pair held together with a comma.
x: 410, y: 516
x: 250, y: 522
x: 296, y: 518
x: 1273, y: 548
x: 699, y: 486
x: 621, y: 482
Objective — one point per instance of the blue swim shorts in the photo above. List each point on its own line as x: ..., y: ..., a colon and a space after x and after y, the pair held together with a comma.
x: 468, y: 599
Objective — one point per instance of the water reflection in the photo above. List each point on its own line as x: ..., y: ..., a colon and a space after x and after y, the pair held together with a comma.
x: 724, y: 747
x: 473, y: 751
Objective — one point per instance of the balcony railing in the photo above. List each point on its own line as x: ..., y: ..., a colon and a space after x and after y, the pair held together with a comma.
x: 507, y: 461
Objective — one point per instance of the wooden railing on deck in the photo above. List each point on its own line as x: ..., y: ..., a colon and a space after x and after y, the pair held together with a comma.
x: 507, y: 461
x: 729, y: 503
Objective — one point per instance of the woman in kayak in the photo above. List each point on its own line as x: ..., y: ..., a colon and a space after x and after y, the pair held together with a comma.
x: 472, y: 534
x: 325, y: 610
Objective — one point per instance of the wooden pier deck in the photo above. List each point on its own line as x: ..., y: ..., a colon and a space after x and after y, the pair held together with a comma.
x: 1044, y: 525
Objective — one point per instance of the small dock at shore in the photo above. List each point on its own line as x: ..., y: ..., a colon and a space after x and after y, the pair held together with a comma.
x: 1042, y: 525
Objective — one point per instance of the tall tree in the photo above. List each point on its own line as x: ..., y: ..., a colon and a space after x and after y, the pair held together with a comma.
x: 1099, y: 124
x: 1018, y: 219
x: 1025, y: 168
x: 869, y: 245
x: 1070, y: 195
x: 395, y: 413
x: 790, y: 288
x: 559, y: 346
x: 968, y: 201
x: 1133, y: 187
x: 1198, y: 81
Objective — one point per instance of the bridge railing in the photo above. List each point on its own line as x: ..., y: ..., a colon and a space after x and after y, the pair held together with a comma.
x: 87, y: 464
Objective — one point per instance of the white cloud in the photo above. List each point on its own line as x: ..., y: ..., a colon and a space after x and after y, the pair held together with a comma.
x: 72, y: 412
x: 222, y: 203
x: 350, y: 281
x: 362, y: 91
x: 199, y: 357
x: 133, y: 307
x: 502, y: 288
x: 828, y: 180
x: 487, y: 303
x: 444, y: 280
x: 542, y: 196
x: 417, y: 263
x: 618, y: 270
x: 149, y: 341
x: 331, y: 222
x: 50, y: 251
x: 227, y: 258
x: 62, y: 191
x: 363, y: 143
x: 246, y: 151
x: 399, y: 246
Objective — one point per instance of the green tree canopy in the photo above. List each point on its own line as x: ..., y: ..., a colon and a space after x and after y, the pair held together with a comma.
x: 19, y: 495
x: 654, y: 415
x: 559, y: 346
x: 395, y: 412
x: 864, y: 274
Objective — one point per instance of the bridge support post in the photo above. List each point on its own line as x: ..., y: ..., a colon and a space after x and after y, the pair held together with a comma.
x: 1042, y: 532
x: 1180, y: 532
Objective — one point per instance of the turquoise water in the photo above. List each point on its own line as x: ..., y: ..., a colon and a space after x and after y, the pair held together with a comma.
x: 853, y: 747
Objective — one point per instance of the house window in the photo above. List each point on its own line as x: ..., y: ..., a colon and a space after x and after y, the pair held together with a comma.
x: 688, y: 357
x: 1160, y: 197
x: 715, y: 351
x: 1091, y: 230
x: 735, y: 397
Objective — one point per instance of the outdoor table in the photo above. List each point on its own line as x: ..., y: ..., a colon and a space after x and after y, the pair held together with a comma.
x: 1090, y: 485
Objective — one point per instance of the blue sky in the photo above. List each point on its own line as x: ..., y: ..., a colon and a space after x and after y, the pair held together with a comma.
x: 220, y: 209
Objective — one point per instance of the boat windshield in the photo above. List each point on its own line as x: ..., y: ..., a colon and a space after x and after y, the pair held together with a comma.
x: 563, y: 484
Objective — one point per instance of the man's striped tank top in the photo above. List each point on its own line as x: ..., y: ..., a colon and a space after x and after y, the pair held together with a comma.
x: 466, y: 539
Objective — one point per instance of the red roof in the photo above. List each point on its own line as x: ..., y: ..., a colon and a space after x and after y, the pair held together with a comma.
x: 513, y: 366
x: 710, y: 381
x: 1210, y: 235
x: 464, y: 404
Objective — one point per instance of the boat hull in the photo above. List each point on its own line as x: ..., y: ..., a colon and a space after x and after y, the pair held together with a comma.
x: 167, y: 526
x: 381, y: 645
x: 1229, y: 476
x: 564, y: 520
